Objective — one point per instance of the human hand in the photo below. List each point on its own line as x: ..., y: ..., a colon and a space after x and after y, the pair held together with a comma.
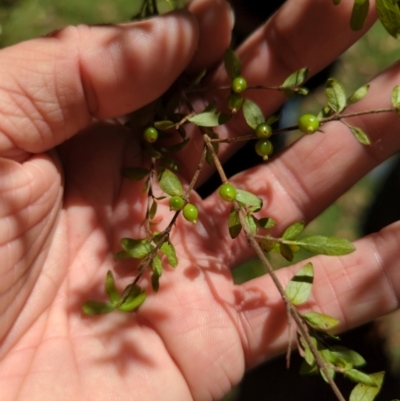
x: 193, y: 339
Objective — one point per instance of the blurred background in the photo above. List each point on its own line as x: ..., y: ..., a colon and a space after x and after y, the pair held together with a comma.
x: 371, y: 204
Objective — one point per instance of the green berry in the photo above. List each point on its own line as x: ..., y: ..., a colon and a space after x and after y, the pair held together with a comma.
x: 190, y: 213
x: 176, y: 203
x: 263, y: 131
x: 308, y: 123
x: 150, y: 134
x: 239, y: 85
x: 234, y: 102
x: 227, y: 192
x: 264, y: 148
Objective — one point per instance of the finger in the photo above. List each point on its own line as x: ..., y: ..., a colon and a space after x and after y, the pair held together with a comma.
x: 354, y: 289
x: 306, y: 178
x: 301, y: 34
x: 215, y: 19
x: 52, y: 87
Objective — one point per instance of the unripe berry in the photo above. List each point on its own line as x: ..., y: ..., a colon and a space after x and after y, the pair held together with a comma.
x: 150, y: 134
x: 227, y: 192
x: 308, y: 123
x: 263, y: 131
x: 190, y: 213
x: 234, y: 102
x: 176, y: 203
x: 264, y: 148
x: 239, y: 85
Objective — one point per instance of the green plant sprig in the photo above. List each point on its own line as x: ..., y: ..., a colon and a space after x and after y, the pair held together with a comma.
x: 169, y: 117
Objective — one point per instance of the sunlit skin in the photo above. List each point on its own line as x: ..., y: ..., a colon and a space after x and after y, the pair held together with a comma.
x: 64, y: 207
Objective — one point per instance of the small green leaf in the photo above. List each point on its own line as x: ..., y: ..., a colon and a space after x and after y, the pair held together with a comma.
x: 335, y: 95
x: 164, y: 125
x: 293, y: 230
x: 359, y: 14
x: 348, y: 355
x: 389, y: 15
x: 234, y: 224
x: 153, y: 210
x: 135, y: 173
x: 197, y: 79
x: 321, y: 245
x: 111, y: 289
x: 296, y: 79
x: 265, y: 222
x: 299, y: 287
x: 305, y: 350
x: 360, y: 135
x: 170, y: 183
x: 134, y: 298
x: 248, y: 199
x: 286, y: 252
x: 252, y: 114
x: 251, y: 224
x: 166, y: 6
x: 156, y: 265
x: 267, y: 245
x: 307, y: 369
x: 321, y: 321
x: 358, y: 95
x: 155, y: 282
x: 122, y: 255
x: 336, y: 2
x: 362, y: 392
x: 360, y: 377
x: 273, y: 119
x: 395, y: 97
x: 232, y: 64
x: 137, y: 248
x: 209, y: 119
x: 168, y: 249
x: 97, y: 308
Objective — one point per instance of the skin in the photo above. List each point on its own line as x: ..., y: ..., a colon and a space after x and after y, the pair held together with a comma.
x: 64, y: 206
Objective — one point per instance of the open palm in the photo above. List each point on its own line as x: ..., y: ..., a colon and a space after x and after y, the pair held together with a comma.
x: 64, y: 211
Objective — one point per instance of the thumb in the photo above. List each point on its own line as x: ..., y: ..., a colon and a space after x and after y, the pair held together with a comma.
x: 52, y: 87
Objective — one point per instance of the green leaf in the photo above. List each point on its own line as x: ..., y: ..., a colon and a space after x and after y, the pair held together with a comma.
x: 395, y: 97
x: 252, y: 114
x: 321, y: 245
x: 166, y: 6
x: 351, y: 357
x: 267, y: 245
x: 133, y: 298
x: 286, y: 252
x: 122, y: 255
x: 156, y: 265
x: 299, y: 287
x: 111, y: 289
x: 359, y: 14
x: 251, y: 224
x: 321, y: 321
x: 234, y: 224
x: 273, y: 119
x: 197, y: 79
x: 135, y: 173
x: 97, y: 308
x: 209, y: 119
x: 137, y: 248
x: 362, y: 392
x: 170, y: 183
x: 155, y: 282
x: 305, y: 350
x: 389, y: 15
x: 293, y: 230
x: 358, y: 95
x: 296, y: 79
x: 232, y: 64
x: 265, y: 222
x: 307, y: 369
x: 360, y: 377
x: 335, y: 95
x: 169, y: 251
x: 248, y: 199
x: 336, y: 2
x: 360, y: 135
x: 153, y: 210
x: 164, y: 125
